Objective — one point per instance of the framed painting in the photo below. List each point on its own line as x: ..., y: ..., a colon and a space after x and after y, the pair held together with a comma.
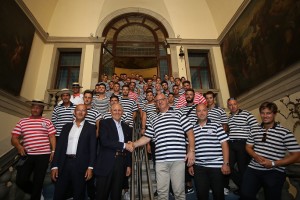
x: 264, y: 41
x: 16, y: 35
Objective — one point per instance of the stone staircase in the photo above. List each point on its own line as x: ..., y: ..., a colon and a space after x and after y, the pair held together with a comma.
x: 140, y: 174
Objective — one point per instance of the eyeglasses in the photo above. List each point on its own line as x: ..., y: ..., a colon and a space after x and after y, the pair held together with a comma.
x: 264, y: 138
x: 159, y: 100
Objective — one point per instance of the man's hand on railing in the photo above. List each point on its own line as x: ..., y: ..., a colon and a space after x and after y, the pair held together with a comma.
x: 129, y: 146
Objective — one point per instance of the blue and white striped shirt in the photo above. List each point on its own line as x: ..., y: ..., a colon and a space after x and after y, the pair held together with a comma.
x: 168, y: 130
x: 208, y: 148
x: 240, y: 125
x: 62, y: 115
x: 278, y: 141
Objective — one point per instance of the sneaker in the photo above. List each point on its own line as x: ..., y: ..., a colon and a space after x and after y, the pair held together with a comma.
x: 126, y: 196
x: 189, y: 190
x: 226, y: 191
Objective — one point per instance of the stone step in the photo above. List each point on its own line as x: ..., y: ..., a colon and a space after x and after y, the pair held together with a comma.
x: 145, y: 190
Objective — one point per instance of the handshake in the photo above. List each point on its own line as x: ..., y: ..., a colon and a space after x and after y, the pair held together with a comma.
x: 129, y: 146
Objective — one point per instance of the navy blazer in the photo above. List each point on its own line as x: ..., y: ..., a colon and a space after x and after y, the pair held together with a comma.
x: 86, y: 148
x: 109, y: 144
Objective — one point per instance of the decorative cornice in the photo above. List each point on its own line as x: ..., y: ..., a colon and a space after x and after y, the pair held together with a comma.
x: 286, y: 82
x: 53, y: 39
x: 39, y: 29
x: 180, y: 41
x: 13, y: 105
x: 177, y: 41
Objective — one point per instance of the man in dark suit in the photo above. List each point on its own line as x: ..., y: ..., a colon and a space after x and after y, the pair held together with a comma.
x: 74, y: 157
x: 114, y: 159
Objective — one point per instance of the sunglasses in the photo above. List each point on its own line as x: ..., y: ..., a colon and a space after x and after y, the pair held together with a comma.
x: 264, y: 139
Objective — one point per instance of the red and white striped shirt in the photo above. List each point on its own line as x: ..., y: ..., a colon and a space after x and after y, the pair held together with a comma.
x: 133, y: 95
x: 35, y: 133
x: 199, y: 98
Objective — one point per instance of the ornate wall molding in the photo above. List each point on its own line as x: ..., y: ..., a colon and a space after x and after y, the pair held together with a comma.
x: 236, y: 15
x: 122, y: 11
x: 13, y: 105
x: 180, y: 41
x: 47, y: 38
x: 287, y: 82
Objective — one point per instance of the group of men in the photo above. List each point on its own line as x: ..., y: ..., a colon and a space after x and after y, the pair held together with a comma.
x: 188, y: 132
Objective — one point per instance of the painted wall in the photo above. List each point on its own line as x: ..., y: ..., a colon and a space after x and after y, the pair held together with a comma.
x: 86, y: 71
x: 222, y: 12
x: 42, y: 10
x: 75, y: 18
x: 40, y: 74
x: 290, y: 121
x: 5, y: 133
x: 37, y: 73
x: 189, y: 20
x: 221, y: 81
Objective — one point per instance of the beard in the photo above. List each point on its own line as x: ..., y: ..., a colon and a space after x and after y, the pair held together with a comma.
x: 189, y: 100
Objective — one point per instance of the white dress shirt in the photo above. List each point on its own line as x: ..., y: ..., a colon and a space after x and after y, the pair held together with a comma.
x: 73, y: 138
x: 120, y: 132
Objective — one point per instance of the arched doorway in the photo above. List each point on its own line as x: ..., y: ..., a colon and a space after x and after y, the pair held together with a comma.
x: 135, y: 43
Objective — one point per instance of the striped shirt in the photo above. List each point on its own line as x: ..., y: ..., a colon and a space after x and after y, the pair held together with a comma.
x: 62, y: 115
x: 76, y: 100
x: 107, y: 115
x: 35, y: 133
x: 148, y: 109
x: 199, y: 98
x: 133, y: 95
x: 100, y: 104
x: 140, y: 85
x: 208, y: 149
x: 217, y: 115
x: 278, y: 141
x: 168, y: 132
x: 181, y: 91
x: 190, y: 112
x: 240, y: 125
x: 92, y: 116
x: 129, y: 106
x: 119, y: 95
x: 142, y: 100
x: 176, y: 100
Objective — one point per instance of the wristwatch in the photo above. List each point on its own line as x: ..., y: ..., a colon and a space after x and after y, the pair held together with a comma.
x: 226, y: 163
x: 273, y: 163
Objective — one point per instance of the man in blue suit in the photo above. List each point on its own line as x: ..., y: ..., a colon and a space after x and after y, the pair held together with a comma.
x: 114, y: 159
x: 74, y: 157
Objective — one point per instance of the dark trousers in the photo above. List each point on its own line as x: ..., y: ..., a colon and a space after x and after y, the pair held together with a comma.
x: 91, y: 188
x: 206, y: 178
x: 239, y: 156
x: 70, y: 178
x: 112, y: 184
x: 271, y: 180
x: 36, y: 165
